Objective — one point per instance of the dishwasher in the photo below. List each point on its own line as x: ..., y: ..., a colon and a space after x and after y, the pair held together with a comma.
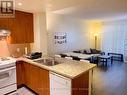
x: 59, y: 85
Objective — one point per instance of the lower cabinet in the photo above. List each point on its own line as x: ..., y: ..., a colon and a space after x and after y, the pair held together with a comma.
x: 33, y: 77
x: 44, y: 82
x: 20, y: 73
x: 81, y: 85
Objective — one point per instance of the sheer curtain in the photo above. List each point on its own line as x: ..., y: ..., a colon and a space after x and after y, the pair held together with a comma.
x: 114, y: 36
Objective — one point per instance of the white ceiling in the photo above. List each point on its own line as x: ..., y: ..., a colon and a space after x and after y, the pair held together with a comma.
x: 87, y: 9
x: 31, y: 5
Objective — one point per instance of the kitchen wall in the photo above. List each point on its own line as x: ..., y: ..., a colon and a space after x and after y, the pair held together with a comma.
x: 45, y: 27
x: 4, y: 50
x: 18, y: 50
x: 77, y: 36
x: 80, y: 33
x: 40, y: 33
x: 15, y: 50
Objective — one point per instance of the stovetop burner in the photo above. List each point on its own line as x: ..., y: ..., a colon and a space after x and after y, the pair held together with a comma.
x: 6, y: 62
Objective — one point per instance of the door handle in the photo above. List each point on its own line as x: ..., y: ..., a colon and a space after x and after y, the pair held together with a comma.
x: 4, y: 74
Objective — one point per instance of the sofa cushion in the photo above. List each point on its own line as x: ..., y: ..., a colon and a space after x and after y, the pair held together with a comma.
x: 63, y: 55
x: 88, y: 51
x: 84, y: 52
x: 77, y: 51
x: 94, y: 51
x: 76, y: 58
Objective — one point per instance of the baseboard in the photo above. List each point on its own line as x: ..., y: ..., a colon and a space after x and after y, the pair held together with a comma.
x: 10, y: 92
x: 20, y: 86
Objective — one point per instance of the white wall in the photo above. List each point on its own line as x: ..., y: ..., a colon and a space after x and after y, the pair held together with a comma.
x: 94, y: 28
x: 77, y: 38
x: 40, y: 33
x: 47, y: 24
x: 114, y: 35
x: 4, y: 49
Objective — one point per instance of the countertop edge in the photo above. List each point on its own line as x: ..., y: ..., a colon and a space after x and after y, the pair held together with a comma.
x: 50, y: 69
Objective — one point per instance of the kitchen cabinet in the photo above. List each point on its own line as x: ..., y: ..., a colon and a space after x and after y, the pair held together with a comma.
x: 45, y: 82
x: 37, y: 79
x: 20, y: 73
x: 4, y: 22
x: 81, y: 85
x: 21, y: 27
x: 33, y: 77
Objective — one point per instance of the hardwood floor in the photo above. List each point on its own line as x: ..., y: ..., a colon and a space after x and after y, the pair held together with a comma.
x: 110, y: 80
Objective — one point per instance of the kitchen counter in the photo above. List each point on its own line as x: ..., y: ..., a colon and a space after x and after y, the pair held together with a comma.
x: 67, y: 68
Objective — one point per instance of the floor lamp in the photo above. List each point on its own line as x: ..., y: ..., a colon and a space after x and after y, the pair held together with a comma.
x: 95, y: 39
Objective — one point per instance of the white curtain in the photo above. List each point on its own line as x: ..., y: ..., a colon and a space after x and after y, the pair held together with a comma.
x: 114, y: 36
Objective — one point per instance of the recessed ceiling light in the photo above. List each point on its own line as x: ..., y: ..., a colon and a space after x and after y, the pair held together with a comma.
x: 20, y: 4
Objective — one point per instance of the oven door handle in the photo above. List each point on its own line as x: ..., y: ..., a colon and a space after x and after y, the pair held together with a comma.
x: 8, y: 69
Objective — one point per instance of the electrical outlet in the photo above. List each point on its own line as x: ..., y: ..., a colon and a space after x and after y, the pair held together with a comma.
x: 18, y: 49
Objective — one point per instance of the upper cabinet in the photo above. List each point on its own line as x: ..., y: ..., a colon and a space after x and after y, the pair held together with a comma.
x: 21, y: 27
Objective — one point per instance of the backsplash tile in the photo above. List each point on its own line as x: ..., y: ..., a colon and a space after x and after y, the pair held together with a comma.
x: 15, y: 50
x: 4, y: 51
x: 18, y: 50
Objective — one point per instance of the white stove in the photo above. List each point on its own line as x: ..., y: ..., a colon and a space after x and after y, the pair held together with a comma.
x: 7, y: 75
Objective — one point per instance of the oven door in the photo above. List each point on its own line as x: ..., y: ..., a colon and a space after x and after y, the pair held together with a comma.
x: 7, y: 77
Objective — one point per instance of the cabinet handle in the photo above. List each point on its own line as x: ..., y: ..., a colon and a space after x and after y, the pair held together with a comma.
x: 8, y: 69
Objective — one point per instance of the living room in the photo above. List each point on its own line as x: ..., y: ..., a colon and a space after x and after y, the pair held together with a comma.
x: 108, y: 36
x: 80, y: 43
x: 102, y: 29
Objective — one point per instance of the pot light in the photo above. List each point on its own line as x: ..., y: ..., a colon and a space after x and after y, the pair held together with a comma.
x: 20, y: 4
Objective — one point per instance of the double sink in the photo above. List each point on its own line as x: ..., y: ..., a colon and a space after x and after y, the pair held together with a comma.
x: 47, y: 62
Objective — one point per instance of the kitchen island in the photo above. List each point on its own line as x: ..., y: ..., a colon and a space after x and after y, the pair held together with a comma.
x: 69, y: 77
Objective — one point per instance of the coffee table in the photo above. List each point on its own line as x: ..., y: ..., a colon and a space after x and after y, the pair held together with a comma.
x: 104, y: 59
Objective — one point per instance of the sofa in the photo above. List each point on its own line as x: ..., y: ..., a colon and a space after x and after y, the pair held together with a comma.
x: 84, y: 54
x: 89, y: 51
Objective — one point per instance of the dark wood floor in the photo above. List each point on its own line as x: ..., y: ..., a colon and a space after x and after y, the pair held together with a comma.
x: 110, y: 80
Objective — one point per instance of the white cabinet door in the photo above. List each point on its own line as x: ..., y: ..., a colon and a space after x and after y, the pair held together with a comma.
x: 59, y: 85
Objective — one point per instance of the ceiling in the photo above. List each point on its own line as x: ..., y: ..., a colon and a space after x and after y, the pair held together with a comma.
x: 31, y: 5
x: 87, y: 9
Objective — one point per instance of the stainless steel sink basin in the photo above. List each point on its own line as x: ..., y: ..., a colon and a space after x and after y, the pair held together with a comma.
x: 47, y: 62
